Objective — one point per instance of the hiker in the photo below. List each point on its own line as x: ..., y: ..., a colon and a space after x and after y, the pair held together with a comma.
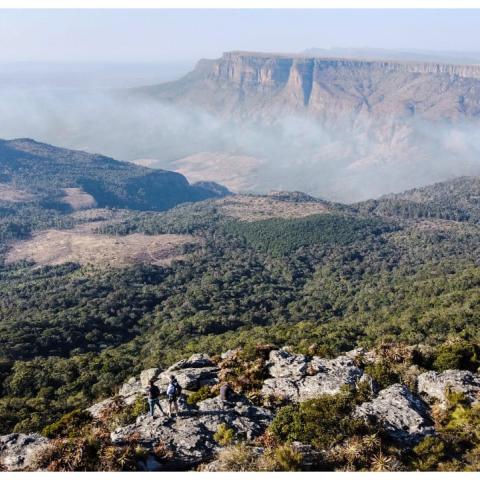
x: 174, y: 391
x: 226, y: 394
x: 153, y: 393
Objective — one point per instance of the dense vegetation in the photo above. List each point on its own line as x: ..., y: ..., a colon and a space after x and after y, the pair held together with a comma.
x: 44, y: 170
x: 323, y: 284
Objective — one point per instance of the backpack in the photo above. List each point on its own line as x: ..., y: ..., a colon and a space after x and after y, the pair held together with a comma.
x: 153, y: 391
x: 174, y: 390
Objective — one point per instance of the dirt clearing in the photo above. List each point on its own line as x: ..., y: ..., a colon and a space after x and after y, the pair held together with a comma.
x: 54, y: 247
x: 8, y: 193
x: 250, y: 208
x: 78, y: 199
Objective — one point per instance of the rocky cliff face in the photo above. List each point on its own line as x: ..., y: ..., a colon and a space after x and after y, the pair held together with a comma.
x: 255, y: 84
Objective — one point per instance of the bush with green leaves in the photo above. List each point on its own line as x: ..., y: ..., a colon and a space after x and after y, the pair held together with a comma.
x: 461, y: 354
x: 321, y: 422
x: 201, y: 394
x: 383, y: 373
x: 224, y: 435
x: 69, y: 425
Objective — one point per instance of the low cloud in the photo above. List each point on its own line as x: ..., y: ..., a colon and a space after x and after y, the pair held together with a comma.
x: 348, y: 162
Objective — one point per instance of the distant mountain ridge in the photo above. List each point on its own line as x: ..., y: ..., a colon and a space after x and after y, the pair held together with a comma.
x: 260, y: 85
x: 331, y: 127
x: 453, y: 57
x: 47, y: 171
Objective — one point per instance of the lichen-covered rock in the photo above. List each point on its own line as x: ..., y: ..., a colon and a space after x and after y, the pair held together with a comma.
x: 283, y: 388
x: 285, y: 364
x: 189, y: 436
x: 402, y: 414
x: 97, y: 408
x: 132, y: 387
x: 18, y: 450
x: 190, y: 378
x: 147, y: 375
x: 435, y: 385
x: 329, y: 376
x: 197, y: 360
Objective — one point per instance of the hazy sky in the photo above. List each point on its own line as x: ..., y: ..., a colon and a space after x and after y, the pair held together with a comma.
x: 186, y: 35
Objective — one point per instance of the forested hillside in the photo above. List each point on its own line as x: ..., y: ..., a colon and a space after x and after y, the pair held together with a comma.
x: 365, y: 274
x: 43, y: 172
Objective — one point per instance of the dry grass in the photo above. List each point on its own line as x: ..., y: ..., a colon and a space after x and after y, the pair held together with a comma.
x: 8, y: 193
x: 250, y: 208
x: 78, y: 199
x: 54, y: 247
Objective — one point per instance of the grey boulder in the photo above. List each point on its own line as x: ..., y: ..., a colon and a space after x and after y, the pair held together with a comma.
x: 18, y: 450
x: 283, y: 364
x: 402, y: 414
x: 327, y: 378
x: 435, y: 385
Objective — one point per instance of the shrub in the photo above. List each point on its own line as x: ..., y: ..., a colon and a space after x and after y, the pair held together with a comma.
x: 284, y: 458
x: 321, y: 422
x: 69, y: 425
x: 118, y: 414
x: 428, y: 454
x: 237, y: 458
x: 202, y: 394
x: 382, y: 462
x: 460, y: 355
x: 69, y: 455
x: 224, y: 435
x: 383, y: 373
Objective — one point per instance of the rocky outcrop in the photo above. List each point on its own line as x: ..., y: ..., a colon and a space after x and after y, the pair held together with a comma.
x: 402, y: 414
x: 283, y: 364
x: 188, y: 439
x: 295, y: 379
x: 264, y: 86
x: 147, y: 375
x: 191, y: 373
x: 435, y: 385
x: 190, y: 435
x: 18, y: 450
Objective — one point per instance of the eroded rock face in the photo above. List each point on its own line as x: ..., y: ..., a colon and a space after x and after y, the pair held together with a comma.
x: 435, y: 385
x: 131, y: 389
x: 147, y: 375
x: 189, y: 378
x: 285, y: 364
x: 197, y: 360
x: 331, y: 376
x: 18, y: 450
x: 189, y: 436
x: 296, y: 379
x: 402, y: 414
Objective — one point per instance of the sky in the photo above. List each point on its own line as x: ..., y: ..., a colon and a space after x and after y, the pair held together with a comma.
x: 187, y: 35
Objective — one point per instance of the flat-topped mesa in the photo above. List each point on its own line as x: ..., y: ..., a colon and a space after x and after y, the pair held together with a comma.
x: 265, y: 87
x: 277, y: 63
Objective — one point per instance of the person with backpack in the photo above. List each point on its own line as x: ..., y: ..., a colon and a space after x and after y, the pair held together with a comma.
x: 174, y: 391
x: 153, y: 394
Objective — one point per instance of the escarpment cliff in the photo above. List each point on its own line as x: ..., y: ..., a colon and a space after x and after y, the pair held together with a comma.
x: 264, y: 85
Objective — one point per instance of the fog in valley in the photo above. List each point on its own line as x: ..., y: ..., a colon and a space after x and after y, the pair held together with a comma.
x: 87, y: 107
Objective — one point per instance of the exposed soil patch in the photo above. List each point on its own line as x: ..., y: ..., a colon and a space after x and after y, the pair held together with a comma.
x: 54, y: 247
x: 78, y: 199
x: 250, y: 208
x: 9, y: 193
